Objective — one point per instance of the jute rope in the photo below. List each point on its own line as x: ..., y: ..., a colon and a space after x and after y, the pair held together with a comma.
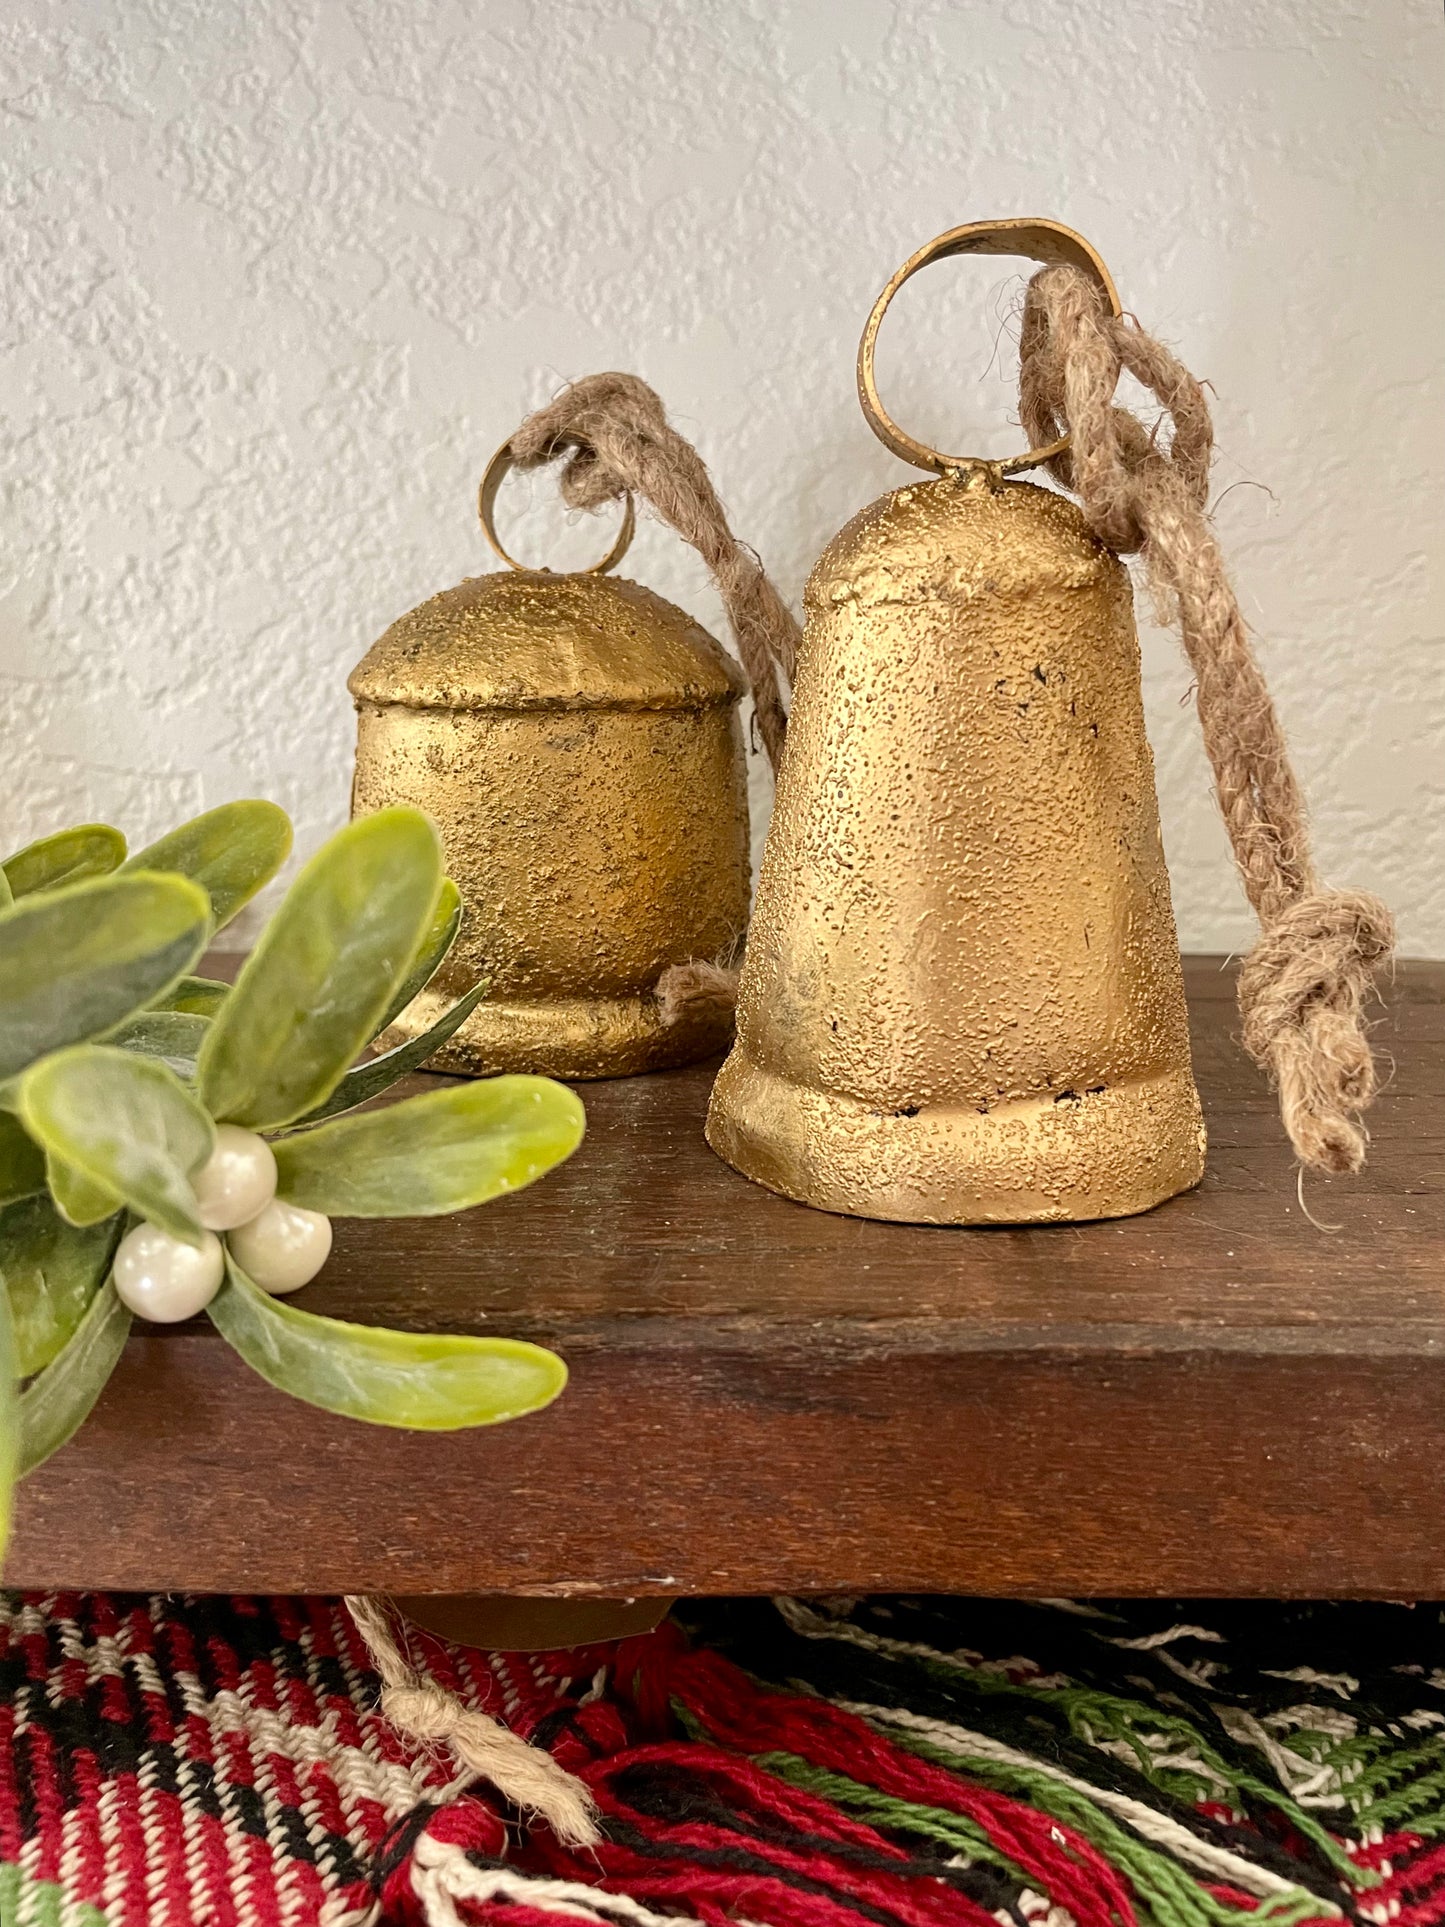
x: 482, y: 1747
x: 1303, y: 988
x: 617, y: 441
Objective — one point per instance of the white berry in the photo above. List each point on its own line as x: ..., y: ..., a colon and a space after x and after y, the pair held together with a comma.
x: 283, y: 1247
x: 162, y: 1278
x: 237, y: 1180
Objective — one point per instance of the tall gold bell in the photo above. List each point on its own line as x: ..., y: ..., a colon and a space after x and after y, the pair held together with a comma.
x: 576, y: 741
x: 962, y: 1000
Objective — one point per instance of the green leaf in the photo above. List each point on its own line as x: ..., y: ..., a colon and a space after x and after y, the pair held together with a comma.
x: 7, y: 895
x: 441, y: 934
x: 55, y: 1405
x: 78, y: 1200
x: 369, y: 1080
x: 77, y: 961
x: 173, y: 1036
x: 50, y: 1271
x: 231, y: 852
x: 422, y: 1382
x: 194, y: 996
x: 126, y: 1124
x: 443, y: 1151
x: 22, y: 1162
x: 310, y: 995
x: 92, y: 850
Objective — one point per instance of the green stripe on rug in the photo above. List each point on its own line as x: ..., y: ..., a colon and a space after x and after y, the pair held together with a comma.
x: 1172, y: 1897
x: 1108, y: 1723
x: 27, y: 1902
x: 1171, y: 1893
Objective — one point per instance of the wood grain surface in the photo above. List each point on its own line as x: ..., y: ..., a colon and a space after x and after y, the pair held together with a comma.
x: 1216, y: 1397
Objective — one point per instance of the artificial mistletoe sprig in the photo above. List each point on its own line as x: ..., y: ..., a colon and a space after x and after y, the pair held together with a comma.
x: 170, y: 1144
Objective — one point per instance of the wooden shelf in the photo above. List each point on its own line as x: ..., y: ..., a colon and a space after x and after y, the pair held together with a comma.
x: 1216, y: 1397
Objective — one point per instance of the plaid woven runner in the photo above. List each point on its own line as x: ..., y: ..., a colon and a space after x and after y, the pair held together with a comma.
x: 899, y: 1762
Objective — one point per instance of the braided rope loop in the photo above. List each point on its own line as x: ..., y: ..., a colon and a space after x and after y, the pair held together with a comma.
x: 617, y: 441
x: 1304, y: 987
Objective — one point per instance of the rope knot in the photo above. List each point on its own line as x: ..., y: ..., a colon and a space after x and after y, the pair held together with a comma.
x: 1302, y: 992
x: 422, y: 1711
x: 1073, y: 350
x: 584, y: 424
x: 616, y: 440
x: 428, y: 1714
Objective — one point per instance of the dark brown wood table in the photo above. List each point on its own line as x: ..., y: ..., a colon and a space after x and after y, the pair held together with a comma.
x: 1215, y: 1398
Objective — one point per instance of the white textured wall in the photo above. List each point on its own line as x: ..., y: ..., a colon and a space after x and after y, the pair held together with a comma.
x: 279, y: 274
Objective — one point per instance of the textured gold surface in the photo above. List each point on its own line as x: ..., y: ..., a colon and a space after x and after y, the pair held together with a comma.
x: 962, y: 1000
x: 576, y: 741
x: 526, y: 639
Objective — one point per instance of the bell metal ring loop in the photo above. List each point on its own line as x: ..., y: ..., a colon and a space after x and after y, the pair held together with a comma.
x: 498, y: 469
x: 1046, y: 241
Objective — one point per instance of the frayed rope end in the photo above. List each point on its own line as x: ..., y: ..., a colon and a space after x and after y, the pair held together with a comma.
x: 1302, y: 993
x: 695, y: 989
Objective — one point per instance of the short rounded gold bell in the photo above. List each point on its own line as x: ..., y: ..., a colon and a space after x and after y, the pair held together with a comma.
x: 962, y: 999
x: 575, y: 738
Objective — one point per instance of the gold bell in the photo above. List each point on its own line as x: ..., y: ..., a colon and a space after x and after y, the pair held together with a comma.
x: 576, y: 741
x: 962, y: 1000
